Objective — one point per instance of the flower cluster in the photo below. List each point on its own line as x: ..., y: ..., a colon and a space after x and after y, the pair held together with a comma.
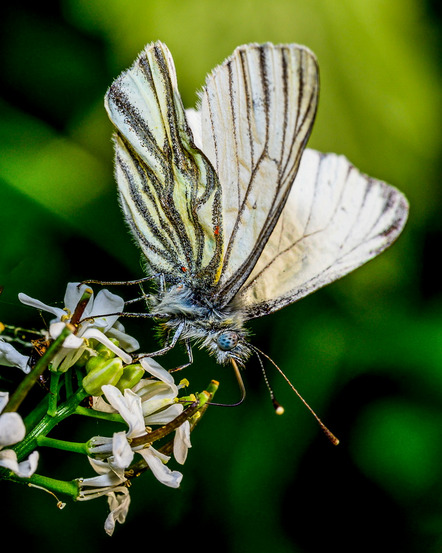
x: 12, y: 431
x: 98, y: 320
x: 86, y: 340
x: 151, y: 402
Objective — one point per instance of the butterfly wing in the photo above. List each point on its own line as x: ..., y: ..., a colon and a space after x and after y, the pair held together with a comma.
x: 169, y: 192
x: 335, y: 219
x: 255, y: 115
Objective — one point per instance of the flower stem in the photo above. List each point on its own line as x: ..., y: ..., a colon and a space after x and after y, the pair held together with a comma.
x: 47, y: 423
x: 31, y: 378
x: 113, y: 417
x: 76, y: 447
x: 53, y: 393
x: 48, y: 484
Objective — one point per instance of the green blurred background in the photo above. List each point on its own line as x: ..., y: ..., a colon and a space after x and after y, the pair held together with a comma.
x: 366, y: 352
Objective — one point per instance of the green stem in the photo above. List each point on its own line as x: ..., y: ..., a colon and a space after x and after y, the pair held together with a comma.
x: 113, y: 417
x: 36, y: 414
x: 31, y: 378
x: 75, y: 447
x: 204, y: 403
x: 69, y: 388
x: 48, y: 484
x: 47, y: 423
x: 53, y: 393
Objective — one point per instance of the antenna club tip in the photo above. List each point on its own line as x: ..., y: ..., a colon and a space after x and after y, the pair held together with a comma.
x: 333, y: 439
x: 279, y: 409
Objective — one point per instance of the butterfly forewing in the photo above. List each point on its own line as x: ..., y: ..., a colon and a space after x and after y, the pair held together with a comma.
x: 256, y: 113
x: 169, y: 192
x: 335, y: 219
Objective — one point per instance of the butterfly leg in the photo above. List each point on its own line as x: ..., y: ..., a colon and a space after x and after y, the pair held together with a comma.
x: 144, y: 297
x: 118, y: 282
x: 190, y: 357
x: 122, y: 314
x: 168, y: 347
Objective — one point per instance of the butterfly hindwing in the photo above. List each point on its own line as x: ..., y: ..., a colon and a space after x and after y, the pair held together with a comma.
x: 335, y: 219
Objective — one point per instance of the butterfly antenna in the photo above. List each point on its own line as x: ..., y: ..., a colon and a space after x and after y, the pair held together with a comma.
x: 334, y: 440
x: 279, y: 409
x: 241, y: 387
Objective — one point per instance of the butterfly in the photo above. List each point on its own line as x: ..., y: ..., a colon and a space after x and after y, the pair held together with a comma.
x: 235, y: 219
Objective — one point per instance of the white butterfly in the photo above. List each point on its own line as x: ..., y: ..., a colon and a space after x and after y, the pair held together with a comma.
x: 234, y: 218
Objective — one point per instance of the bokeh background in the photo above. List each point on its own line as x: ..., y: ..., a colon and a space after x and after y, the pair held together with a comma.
x: 365, y: 352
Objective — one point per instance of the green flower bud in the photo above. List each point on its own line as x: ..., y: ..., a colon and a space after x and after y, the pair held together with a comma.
x: 84, y: 358
x: 132, y: 374
x: 104, y: 351
x: 109, y: 372
x: 97, y: 361
x: 104, y: 354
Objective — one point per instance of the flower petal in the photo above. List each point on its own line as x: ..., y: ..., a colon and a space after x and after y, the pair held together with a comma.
x: 12, y: 429
x: 98, y: 404
x: 4, y: 398
x: 104, y: 305
x: 129, y: 407
x: 156, y: 370
x: 73, y: 294
x: 121, y: 450
x: 100, y: 446
x: 71, y: 342
x: 153, y: 458
x: 10, y: 357
x: 161, y: 417
x: 181, y: 442
x: 29, y: 466
x: 100, y: 337
x: 128, y: 343
x: 25, y: 469
x: 154, y: 389
x: 27, y: 300
x: 102, y: 468
x: 119, y: 502
x: 111, y: 474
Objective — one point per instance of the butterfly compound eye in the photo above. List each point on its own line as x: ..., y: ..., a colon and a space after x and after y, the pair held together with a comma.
x: 227, y: 340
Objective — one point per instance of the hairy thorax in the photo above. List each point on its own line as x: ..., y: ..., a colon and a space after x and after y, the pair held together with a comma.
x: 182, y: 309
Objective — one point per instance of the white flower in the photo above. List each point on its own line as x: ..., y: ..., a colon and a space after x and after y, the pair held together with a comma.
x: 101, y: 314
x: 155, y: 408
x: 110, y: 485
x: 12, y: 430
x: 158, y: 404
x: 118, y: 450
x: 10, y: 357
x: 181, y: 443
x: 119, y: 501
x: 106, y: 481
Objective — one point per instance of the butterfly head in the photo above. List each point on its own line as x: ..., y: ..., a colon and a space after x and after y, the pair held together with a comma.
x: 228, y: 343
